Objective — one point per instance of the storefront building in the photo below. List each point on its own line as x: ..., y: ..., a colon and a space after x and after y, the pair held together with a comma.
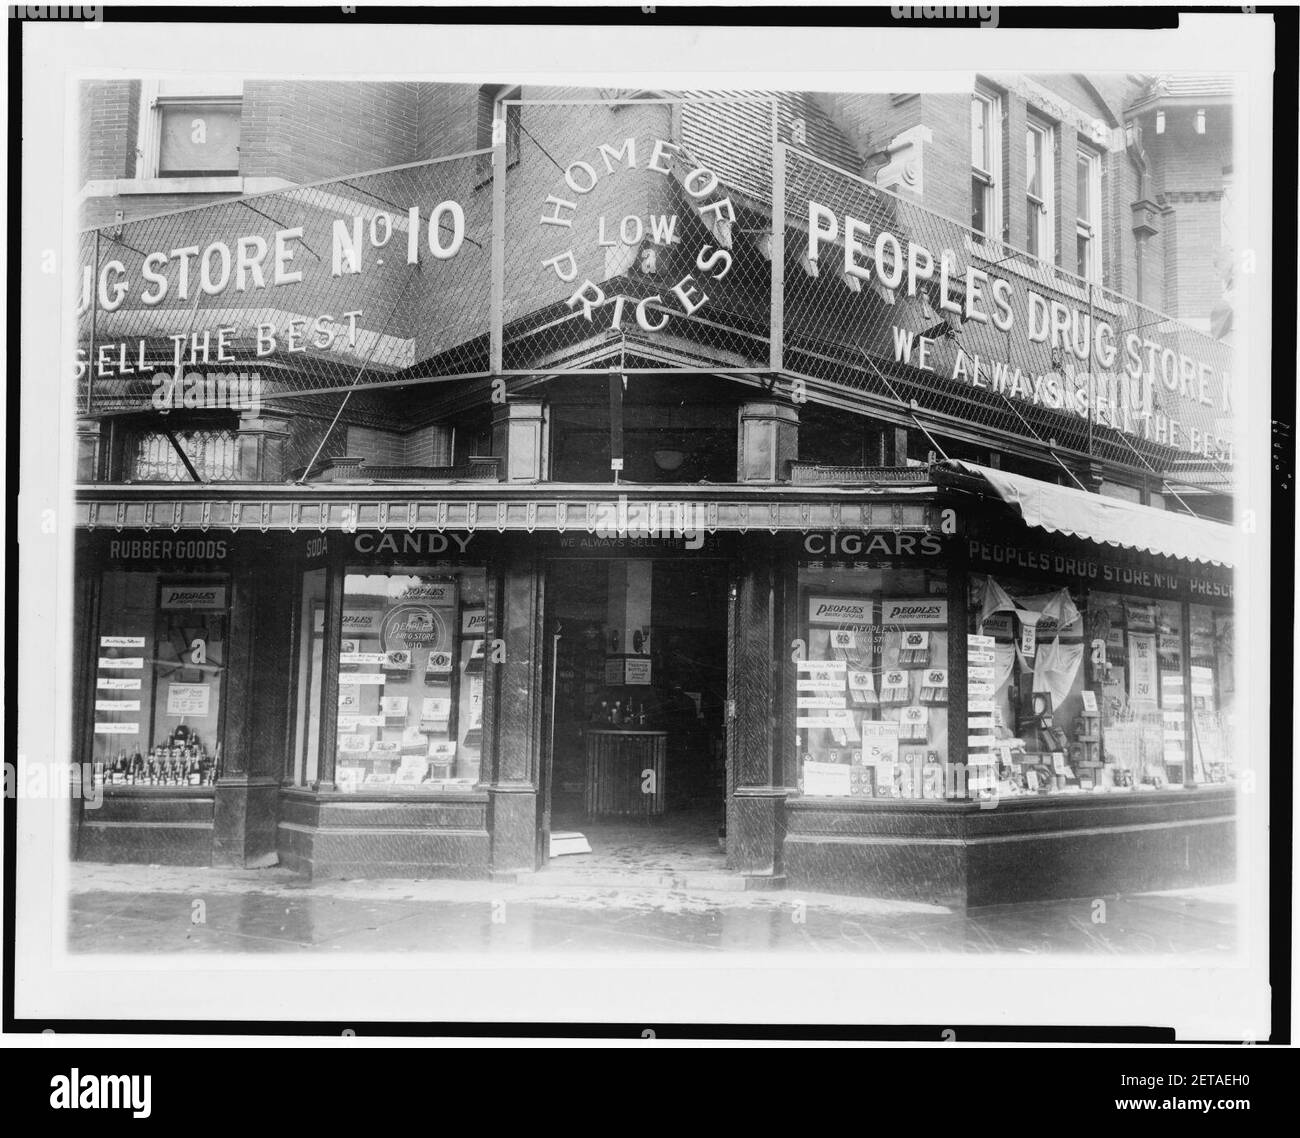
x: 422, y: 512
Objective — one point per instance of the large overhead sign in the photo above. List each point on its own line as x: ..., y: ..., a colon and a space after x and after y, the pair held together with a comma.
x: 637, y: 235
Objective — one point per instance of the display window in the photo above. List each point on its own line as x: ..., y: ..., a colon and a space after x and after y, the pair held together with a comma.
x: 1102, y: 691
x: 410, y: 664
x: 1212, y: 688
x: 160, y: 669
x: 1140, y: 676
x: 871, y: 680
x: 1032, y: 684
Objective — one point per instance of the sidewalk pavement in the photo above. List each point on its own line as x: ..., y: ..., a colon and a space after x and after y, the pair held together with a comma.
x: 164, y: 909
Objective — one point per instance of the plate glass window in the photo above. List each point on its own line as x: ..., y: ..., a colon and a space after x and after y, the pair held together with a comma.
x: 190, y: 128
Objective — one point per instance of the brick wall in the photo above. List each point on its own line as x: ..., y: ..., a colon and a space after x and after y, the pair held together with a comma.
x: 1187, y: 179
x: 309, y: 131
x: 109, y: 124
x: 446, y: 119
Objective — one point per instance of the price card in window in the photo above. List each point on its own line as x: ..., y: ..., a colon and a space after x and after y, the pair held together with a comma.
x: 820, y: 701
x: 879, y: 741
x: 123, y: 662
x: 826, y: 779
x: 354, y: 743
x: 354, y: 679
x: 822, y: 679
x: 121, y: 641
x: 188, y: 699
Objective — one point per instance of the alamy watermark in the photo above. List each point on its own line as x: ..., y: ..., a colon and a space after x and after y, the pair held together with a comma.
x: 985, y: 14
x: 85, y: 12
x: 26, y: 779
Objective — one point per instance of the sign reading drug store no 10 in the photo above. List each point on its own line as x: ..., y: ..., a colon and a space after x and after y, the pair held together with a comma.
x: 380, y: 270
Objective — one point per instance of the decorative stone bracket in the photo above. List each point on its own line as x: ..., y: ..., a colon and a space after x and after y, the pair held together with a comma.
x: 904, y: 172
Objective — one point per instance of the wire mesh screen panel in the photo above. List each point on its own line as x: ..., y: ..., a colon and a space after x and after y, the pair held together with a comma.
x: 377, y: 278
x: 623, y: 230
x: 888, y: 299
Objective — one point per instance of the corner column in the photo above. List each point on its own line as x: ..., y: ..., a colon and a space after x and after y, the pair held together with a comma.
x: 512, y: 713
x: 756, y: 804
x: 245, y: 810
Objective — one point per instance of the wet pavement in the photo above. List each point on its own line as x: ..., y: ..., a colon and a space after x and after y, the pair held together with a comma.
x: 164, y: 909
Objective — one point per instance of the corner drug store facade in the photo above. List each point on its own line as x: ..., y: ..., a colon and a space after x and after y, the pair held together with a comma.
x: 875, y: 645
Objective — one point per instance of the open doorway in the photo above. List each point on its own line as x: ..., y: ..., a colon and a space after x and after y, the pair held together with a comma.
x: 637, y: 686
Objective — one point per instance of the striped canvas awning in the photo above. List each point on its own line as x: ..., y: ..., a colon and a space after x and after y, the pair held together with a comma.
x: 1109, y: 521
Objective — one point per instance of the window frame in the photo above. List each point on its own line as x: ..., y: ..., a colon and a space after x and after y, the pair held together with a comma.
x: 1042, y: 203
x: 991, y: 179
x: 156, y: 97
x: 1089, y: 227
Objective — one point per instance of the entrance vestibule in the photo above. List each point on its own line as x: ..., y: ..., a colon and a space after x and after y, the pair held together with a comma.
x: 636, y: 689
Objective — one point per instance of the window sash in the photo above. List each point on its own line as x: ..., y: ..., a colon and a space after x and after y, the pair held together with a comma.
x: 986, y: 151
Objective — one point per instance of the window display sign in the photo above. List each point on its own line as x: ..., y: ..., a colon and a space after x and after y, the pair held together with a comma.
x: 187, y: 699
x: 821, y: 678
x: 831, y: 780
x: 1143, y: 667
x: 880, y: 742
x: 637, y: 671
x: 192, y: 597
x: 839, y: 611
x: 920, y: 610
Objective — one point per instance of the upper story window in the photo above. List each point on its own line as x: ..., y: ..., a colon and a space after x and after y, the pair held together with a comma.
x: 500, y: 104
x: 986, y: 163
x: 1088, y: 216
x: 1039, y: 161
x: 190, y: 129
